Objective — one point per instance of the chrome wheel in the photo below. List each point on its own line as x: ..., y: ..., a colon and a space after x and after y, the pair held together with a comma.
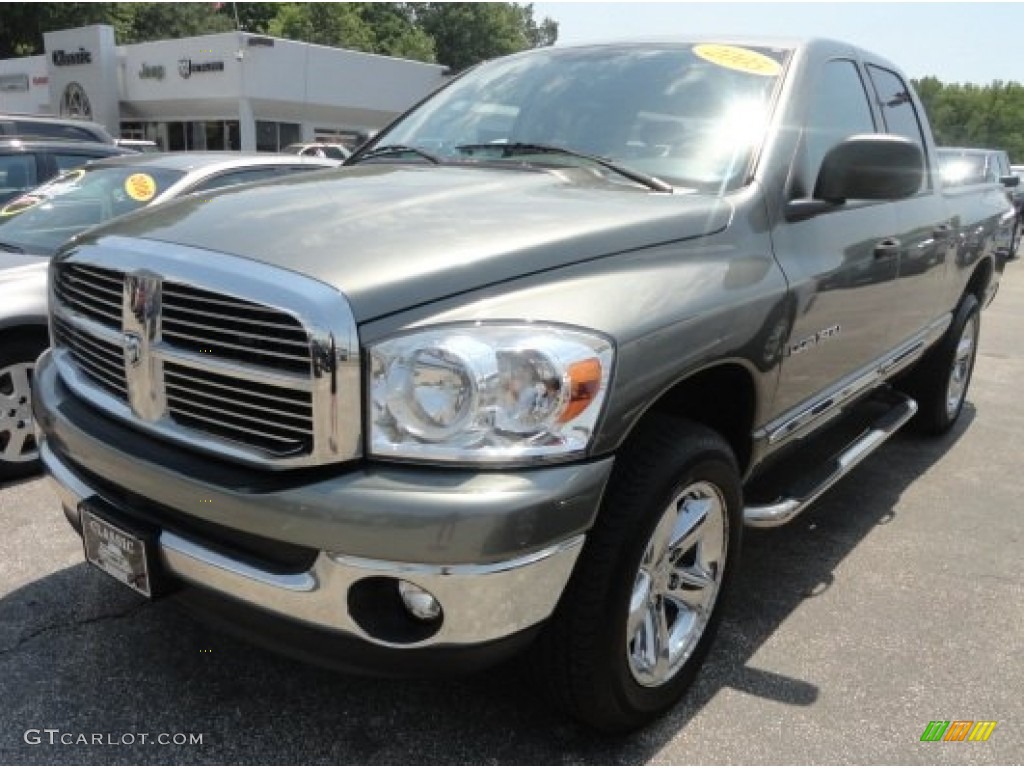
x: 677, y: 584
x: 17, y: 437
x: 960, y: 371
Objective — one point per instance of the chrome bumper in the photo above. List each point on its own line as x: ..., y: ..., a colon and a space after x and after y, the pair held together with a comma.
x: 480, y: 603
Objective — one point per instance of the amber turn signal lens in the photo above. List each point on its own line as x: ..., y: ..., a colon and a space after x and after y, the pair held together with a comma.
x: 584, y: 384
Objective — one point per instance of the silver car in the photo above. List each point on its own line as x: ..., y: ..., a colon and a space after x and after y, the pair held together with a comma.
x: 35, y: 224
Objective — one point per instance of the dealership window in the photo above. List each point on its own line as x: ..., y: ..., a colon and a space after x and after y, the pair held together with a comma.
x: 194, y: 135
x: 271, y: 137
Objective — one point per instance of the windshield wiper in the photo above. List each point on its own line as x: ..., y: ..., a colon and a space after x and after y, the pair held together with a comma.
x: 10, y: 248
x: 508, y: 150
x: 398, y: 149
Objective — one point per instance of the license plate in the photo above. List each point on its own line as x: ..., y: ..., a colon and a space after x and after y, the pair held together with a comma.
x: 117, y: 552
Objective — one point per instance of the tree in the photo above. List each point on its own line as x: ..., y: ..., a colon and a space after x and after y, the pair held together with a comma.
x: 139, y: 22
x: 467, y: 33
x: 990, y: 116
x: 22, y: 24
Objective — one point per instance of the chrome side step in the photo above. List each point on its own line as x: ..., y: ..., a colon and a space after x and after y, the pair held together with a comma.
x: 784, y: 510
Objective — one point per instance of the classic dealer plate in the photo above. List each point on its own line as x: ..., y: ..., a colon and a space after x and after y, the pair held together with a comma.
x: 117, y: 552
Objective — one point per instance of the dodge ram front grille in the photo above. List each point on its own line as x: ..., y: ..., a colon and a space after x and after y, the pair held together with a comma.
x: 234, y: 366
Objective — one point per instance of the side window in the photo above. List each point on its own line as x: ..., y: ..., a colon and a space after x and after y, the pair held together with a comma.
x: 17, y: 173
x: 839, y: 108
x: 53, y: 131
x: 65, y: 162
x: 896, y: 105
x: 236, y: 177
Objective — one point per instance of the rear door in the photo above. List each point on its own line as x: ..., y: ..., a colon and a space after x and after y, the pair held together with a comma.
x: 927, y: 237
x: 840, y: 272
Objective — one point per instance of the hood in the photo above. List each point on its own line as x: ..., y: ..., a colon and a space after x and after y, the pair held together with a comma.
x: 17, y: 266
x: 392, y: 237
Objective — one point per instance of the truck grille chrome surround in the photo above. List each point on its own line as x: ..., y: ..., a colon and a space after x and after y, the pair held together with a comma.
x: 239, y: 359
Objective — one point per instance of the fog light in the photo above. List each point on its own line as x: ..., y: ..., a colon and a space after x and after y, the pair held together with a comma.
x: 420, y: 603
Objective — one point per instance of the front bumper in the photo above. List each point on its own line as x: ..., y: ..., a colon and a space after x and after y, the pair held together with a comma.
x: 496, y: 560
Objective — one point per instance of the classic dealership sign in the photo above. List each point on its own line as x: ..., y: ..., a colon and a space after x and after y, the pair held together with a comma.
x: 186, y: 67
x: 64, y: 59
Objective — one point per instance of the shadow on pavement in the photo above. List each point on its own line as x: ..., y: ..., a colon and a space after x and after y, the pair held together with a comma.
x: 81, y: 654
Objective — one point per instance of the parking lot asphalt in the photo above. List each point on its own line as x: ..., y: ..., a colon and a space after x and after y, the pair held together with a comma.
x: 897, y: 600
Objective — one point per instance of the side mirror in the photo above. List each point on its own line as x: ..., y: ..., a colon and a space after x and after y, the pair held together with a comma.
x: 871, y: 167
x: 1009, y: 181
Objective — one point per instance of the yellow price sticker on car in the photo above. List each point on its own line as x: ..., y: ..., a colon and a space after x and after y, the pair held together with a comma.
x: 740, y: 59
x: 140, y: 187
x: 23, y: 203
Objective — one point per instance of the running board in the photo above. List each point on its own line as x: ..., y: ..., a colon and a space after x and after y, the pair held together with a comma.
x: 784, y: 510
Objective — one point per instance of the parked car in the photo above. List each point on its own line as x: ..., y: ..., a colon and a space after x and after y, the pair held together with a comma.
x: 27, y: 163
x: 59, y: 128
x: 521, y: 371
x: 35, y: 224
x: 963, y: 166
x: 318, y: 149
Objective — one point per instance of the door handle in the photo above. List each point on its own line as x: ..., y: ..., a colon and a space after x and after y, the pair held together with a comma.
x: 887, y: 249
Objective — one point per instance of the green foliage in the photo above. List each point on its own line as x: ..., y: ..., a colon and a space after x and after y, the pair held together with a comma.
x: 138, y: 22
x: 967, y: 115
x: 22, y: 24
x: 467, y: 33
x: 456, y: 34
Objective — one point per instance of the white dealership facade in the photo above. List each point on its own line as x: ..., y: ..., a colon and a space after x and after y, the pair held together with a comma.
x: 232, y: 90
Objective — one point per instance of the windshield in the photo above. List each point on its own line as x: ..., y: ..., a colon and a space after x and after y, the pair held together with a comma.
x: 40, y: 220
x: 691, y: 115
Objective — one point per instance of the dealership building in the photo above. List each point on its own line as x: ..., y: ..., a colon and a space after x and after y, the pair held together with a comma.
x: 233, y: 90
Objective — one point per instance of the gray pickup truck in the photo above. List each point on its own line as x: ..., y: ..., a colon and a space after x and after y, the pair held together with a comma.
x: 519, y: 373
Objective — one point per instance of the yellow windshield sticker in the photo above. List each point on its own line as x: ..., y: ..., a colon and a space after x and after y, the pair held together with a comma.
x: 23, y: 203
x: 740, y: 59
x: 140, y: 187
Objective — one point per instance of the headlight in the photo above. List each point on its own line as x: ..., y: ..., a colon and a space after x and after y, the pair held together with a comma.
x: 483, y: 393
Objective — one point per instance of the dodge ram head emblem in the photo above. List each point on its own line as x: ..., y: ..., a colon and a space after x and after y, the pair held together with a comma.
x: 133, y: 349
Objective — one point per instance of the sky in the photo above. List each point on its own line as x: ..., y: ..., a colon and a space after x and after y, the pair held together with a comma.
x: 959, y: 42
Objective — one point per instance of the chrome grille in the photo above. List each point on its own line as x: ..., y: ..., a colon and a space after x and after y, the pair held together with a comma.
x: 97, y: 358
x: 94, y: 292
x: 205, y: 322
x: 215, y: 352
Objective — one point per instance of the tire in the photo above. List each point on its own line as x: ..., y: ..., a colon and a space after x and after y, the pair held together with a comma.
x: 626, y: 591
x: 940, y: 381
x: 19, y: 455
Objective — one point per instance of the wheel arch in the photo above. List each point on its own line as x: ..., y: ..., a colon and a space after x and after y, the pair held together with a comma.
x: 980, y: 282
x: 722, y: 397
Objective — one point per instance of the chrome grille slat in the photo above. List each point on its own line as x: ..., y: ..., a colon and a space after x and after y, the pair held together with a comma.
x: 100, y: 346
x: 170, y: 312
x: 169, y: 336
x: 113, y: 357
x: 285, y: 444
x: 174, y: 373
x: 169, y: 321
x: 112, y: 276
x: 237, y: 420
x: 87, y: 305
x: 114, y: 293
x: 174, y: 392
